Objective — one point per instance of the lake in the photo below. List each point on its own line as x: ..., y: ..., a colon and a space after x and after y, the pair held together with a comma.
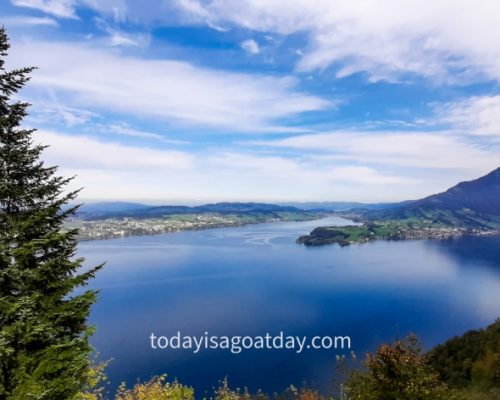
x: 255, y: 279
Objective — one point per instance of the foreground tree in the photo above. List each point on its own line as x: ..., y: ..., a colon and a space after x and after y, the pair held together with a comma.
x: 398, y: 371
x: 43, y: 331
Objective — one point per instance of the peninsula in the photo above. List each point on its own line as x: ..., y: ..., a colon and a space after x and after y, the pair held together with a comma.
x: 469, y: 208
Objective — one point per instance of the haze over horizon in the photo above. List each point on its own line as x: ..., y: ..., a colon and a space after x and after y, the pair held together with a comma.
x: 202, y: 101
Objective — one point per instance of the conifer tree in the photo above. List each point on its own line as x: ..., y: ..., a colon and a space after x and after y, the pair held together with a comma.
x: 44, y: 336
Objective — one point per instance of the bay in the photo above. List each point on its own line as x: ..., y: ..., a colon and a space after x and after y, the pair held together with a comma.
x: 255, y: 279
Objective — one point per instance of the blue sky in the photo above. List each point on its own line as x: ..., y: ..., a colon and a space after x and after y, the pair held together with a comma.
x: 269, y: 100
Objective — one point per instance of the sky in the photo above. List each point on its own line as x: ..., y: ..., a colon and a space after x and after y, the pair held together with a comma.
x: 192, y: 101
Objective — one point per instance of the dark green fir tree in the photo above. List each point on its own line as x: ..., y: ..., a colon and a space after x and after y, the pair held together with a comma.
x: 44, y: 336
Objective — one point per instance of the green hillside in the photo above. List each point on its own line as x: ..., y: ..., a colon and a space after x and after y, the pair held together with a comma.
x: 468, y: 208
x: 472, y: 204
x: 471, y: 360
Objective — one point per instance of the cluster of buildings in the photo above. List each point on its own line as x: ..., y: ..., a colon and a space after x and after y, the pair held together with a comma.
x: 120, y: 227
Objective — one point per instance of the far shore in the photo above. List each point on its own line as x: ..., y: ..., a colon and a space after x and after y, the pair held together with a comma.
x: 113, y: 228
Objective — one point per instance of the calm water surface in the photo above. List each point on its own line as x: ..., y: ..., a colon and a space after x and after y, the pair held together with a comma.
x: 255, y: 279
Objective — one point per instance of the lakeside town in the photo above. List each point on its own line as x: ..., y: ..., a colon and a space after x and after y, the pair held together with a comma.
x: 127, y: 226
x: 347, y: 235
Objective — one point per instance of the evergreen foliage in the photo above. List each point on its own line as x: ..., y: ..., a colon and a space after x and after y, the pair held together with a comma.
x: 44, y: 335
x: 471, y: 360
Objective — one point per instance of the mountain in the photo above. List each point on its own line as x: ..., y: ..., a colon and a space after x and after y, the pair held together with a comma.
x: 245, y: 207
x: 480, y: 195
x: 143, y: 211
x: 474, y: 203
x: 337, y: 205
x: 468, y: 208
x: 94, y: 210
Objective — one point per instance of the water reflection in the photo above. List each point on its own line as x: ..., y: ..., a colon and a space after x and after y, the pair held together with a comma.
x: 256, y: 279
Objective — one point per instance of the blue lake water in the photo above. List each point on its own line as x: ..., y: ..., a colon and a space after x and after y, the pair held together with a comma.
x: 255, y: 279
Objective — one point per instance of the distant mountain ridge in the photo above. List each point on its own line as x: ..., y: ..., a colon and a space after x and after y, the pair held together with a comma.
x: 135, y: 210
x: 336, y: 205
x: 480, y: 195
x: 471, y: 207
x: 474, y: 204
x: 110, y: 206
x: 471, y: 203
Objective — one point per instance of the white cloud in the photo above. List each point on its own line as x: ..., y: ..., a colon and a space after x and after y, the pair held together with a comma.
x: 88, y: 77
x: 250, y: 46
x: 29, y: 21
x: 81, y: 152
x: 369, y: 176
x: 116, y: 171
x: 58, y: 8
x: 126, y: 130
x: 194, y: 8
x: 118, y: 9
x: 478, y: 115
x: 385, y: 38
x: 108, y: 170
x: 52, y: 112
x: 119, y: 38
x: 365, y: 166
x: 423, y: 150
x: 312, y: 169
x: 307, y: 177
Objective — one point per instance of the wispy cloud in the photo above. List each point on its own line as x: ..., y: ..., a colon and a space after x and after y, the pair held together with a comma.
x: 53, y: 112
x: 307, y: 168
x: 476, y: 115
x: 119, y: 38
x: 117, y: 171
x: 126, y: 130
x: 82, y: 152
x: 116, y: 106
x: 57, y: 8
x: 250, y: 46
x: 424, y: 150
x: 29, y: 21
x: 385, y: 39
x: 165, y: 89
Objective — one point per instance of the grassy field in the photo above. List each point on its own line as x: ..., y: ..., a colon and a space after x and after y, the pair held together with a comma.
x: 410, y: 228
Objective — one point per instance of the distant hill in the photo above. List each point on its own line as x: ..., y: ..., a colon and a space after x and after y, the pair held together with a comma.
x: 474, y: 203
x: 93, y: 212
x: 468, y: 208
x: 337, y: 205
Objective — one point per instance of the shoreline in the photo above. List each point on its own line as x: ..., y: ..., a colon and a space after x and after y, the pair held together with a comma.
x: 129, y: 227
x: 349, y: 235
